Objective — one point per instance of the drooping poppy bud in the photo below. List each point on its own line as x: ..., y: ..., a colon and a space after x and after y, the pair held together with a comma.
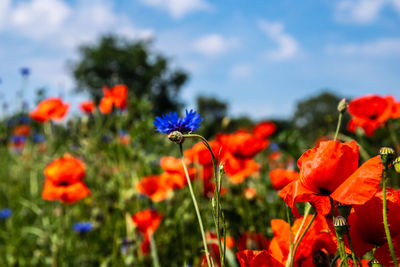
x: 387, y: 155
x: 340, y: 224
x: 396, y: 164
x: 342, y: 106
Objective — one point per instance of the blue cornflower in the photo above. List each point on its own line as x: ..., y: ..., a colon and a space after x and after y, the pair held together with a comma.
x: 24, y: 119
x: 18, y: 139
x: 38, y: 138
x: 5, y: 213
x: 274, y: 147
x: 170, y: 123
x: 82, y: 227
x: 25, y: 71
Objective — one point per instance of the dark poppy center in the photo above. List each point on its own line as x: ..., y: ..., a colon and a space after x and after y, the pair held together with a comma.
x: 320, y: 258
x: 373, y: 117
x: 63, y: 183
x: 324, y: 192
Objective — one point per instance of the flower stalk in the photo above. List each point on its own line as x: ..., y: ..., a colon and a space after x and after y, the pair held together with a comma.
x: 195, y: 207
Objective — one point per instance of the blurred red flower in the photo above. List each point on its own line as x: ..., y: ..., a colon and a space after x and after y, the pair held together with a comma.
x: 115, y: 96
x: 64, y: 180
x: 316, y: 244
x: 253, y: 241
x: 147, y: 221
x: 87, y: 107
x: 213, y: 247
x: 174, y: 174
x: 367, y: 230
x: 281, y: 177
x: 154, y: 187
x: 330, y: 170
x: 264, y: 129
x: 49, y: 109
x: 242, y: 144
x: 253, y: 258
x: 370, y: 112
x: 22, y: 130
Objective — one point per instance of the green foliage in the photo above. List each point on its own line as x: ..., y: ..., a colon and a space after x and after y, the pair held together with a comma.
x: 147, y: 74
x: 213, y: 111
x: 317, y: 116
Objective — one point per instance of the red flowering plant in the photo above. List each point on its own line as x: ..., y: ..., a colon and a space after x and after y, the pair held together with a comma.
x: 50, y: 109
x: 64, y: 180
x: 146, y: 222
x: 371, y: 112
x: 114, y: 97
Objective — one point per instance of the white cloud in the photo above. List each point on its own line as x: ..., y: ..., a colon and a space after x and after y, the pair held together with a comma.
x: 287, y: 44
x: 39, y: 18
x: 362, y: 11
x: 240, y: 71
x: 214, y: 44
x: 57, y: 23
x: 4, y: 9
x: 179, y: 8
x: 381, y: 47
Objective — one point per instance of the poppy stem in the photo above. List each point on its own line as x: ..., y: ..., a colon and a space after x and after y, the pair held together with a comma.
x: 154, y: 254
x: 338, y: 126
x: 339, y: 238
x: 218, y: 215
x: 353, y: 255
x: 195, y: 207
x: 302, y: 235
x: 289, y: 218
x: 384, y: 214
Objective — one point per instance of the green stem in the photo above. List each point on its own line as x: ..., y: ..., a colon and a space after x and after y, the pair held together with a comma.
x: 384, y: 214
x: 340, y: 241
x: 301, y: 237
x: 216, y: 202
x: 154, y: 254
x: 195, y: 207
x: 338, y: 126
x: 353, y: 255
x: 289, y: 261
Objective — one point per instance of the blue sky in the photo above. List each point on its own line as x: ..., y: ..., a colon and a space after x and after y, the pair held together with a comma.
x: 260, y: 56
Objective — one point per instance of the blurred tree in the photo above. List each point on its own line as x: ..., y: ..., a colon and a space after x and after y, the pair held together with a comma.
x: 317, y: 116
x: 147, y: 74
x: 213, y: 111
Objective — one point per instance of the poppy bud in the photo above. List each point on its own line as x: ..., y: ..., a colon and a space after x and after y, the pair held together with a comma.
x: 387, y: 155
x: 340, y: 224
x: 374, y: 263
x: 344, y: 210
x: 396, y: 164
x: 176, y: 137
x: 342, y: 106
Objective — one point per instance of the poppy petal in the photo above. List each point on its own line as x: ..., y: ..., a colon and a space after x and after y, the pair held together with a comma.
x: 361, y: 185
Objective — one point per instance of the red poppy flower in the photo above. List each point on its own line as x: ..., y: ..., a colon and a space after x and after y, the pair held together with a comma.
x: 87, y: 107
x: 252, y: 258
x: 237, y: 169
x: 396, y: 110
x: 154, y: 187
x: 113, y: 97
x: 64, y: 180
x: 330, y: 170
x: 49, y: 109
x: 174, y: 175
x: 264, y: 129
x: 281, y: 177
x: 242, y: 144
x: 252, y: 241
x: 213, y: 247
x: 250, y: 193
x: 316, y: 244
x: 147, y: 221
x: 22, y: 130
x: 370, y: 112
x: 367, y: 231
x: 200, y: 154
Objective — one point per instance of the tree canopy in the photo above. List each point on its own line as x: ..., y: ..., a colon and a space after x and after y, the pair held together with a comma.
x: 147, y: 74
